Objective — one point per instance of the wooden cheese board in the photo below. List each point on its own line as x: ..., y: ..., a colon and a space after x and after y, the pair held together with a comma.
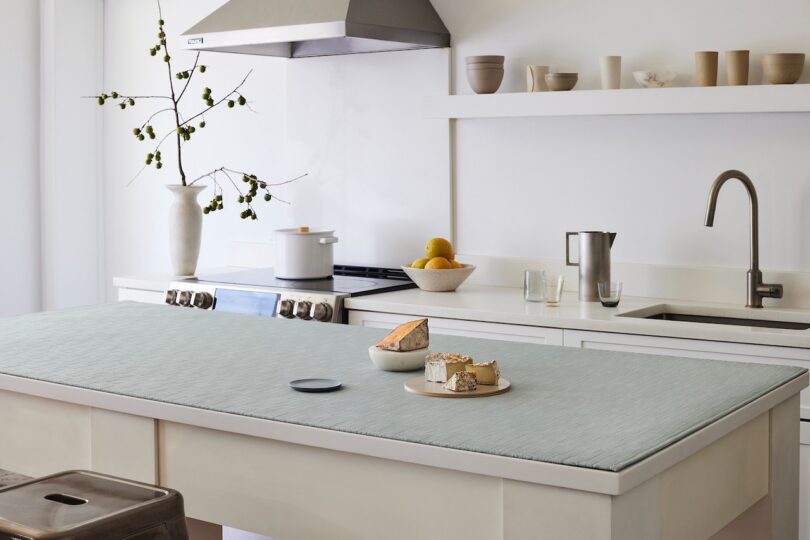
x: 422, y: 387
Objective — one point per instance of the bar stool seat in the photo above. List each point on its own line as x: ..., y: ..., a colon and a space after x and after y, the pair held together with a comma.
x: 82, y: 505
x: 8, y: 478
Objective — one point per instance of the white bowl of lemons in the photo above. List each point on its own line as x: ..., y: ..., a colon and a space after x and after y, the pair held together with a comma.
x: 438, y: 270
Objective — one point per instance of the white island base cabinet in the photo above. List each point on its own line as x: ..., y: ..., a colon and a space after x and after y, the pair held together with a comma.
x: 739, y: 486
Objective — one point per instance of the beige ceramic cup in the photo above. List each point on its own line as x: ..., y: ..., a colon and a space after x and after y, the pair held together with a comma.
x: 706, y: 68
x: 737, y: 67
x: 610, y: 68
x: 536, y: 78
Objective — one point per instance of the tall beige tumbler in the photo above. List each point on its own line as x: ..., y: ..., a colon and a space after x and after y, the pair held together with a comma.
x: 611, y: 71
x: 737, y: 67
x: 706, y: 68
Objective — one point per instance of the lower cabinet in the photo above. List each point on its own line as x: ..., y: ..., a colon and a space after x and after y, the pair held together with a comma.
x: 453, y: 327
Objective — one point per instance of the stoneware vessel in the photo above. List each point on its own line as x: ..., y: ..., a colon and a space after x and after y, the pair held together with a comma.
x: 439, y: 280
x: 185, y: 229
x: 737, y: 67
x: 783, y: 68
x: 561, y: 82
x: 536, y: 78
x: 610, y: 68
x: 485, y: 73
x: 654, y: 79
x: 706, y: 68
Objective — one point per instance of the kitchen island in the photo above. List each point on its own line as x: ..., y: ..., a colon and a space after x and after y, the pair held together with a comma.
x: 587, y: 445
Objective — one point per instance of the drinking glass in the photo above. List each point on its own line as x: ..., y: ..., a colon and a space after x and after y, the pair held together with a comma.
x: 554, y: 289
x: 534, y: 285
x: 610, y: 293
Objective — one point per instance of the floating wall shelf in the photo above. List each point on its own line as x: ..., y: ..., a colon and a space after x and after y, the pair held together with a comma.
x: 713, y: 100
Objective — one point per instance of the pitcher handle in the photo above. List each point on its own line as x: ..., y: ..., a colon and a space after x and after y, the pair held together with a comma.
x: 568, y: 249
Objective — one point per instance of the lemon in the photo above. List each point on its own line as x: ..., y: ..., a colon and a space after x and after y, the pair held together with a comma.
x: 419, y: 263
x: 438, y: 263
x: 455, y: 264
x: 439, y: 247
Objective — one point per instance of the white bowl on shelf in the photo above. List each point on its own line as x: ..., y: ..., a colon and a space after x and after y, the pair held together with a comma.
x: 397, y: 361
x: 654, y: 79
x: 439, y: 280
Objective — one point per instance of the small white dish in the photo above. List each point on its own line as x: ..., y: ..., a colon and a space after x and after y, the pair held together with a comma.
x: 397, y: 361
x: 439, y: 280
x: 654, y: 79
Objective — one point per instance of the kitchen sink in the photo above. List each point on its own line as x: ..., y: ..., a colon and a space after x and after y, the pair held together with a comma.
x: 730, y: 317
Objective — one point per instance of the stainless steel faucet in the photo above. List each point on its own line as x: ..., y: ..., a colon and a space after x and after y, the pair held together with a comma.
x: 756, y: 290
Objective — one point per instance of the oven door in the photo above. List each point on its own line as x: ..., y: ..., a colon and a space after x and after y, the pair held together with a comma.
x: 260, y: 303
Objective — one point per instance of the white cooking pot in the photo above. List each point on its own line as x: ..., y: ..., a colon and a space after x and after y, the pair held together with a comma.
x: 304, y: 254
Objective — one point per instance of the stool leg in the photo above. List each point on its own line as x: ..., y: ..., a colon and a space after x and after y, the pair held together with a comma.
x: 202, y: 530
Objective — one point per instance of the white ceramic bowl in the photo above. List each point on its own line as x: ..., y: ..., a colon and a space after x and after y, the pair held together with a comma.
x: 654, y: 79
x: 439, y: 280
x: 397, y: 361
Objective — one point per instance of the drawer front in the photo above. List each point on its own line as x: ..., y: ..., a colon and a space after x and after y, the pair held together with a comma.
x: 454, y: 327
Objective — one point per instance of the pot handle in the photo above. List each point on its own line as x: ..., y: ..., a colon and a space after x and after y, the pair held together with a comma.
x: 326, y: 240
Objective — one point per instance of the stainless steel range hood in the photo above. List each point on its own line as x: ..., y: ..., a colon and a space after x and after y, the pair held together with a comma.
x: 301, y: 28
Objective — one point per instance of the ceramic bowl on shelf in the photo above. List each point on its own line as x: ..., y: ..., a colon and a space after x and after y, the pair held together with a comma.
x: 485, y: 73
x: 397, y: 361
x: 783, y: 68
x: 655, y: 79
x: 561, y: 82
x: 487, y: 59
x: 439, y: 280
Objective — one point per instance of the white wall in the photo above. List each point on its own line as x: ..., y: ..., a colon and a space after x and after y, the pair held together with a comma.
x: 19, y: 218
x: 646, y: 178
x: 136, y: 217
x: 70, y: 133
x: 379, y: 172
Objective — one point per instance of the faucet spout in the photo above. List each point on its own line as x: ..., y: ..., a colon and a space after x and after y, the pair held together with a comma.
x: 757, y: 290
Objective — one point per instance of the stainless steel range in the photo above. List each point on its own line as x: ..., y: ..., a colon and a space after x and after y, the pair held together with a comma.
x: 260, y: 292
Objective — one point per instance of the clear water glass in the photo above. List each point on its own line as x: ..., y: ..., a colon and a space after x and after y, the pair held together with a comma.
x: 610, y: 293
x: 534, y: 285
x: 554, y: 289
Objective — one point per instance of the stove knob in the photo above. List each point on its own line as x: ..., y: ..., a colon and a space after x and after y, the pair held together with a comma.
x: 171, y: 297
x: 302, y: 310
x: 204, y: 300
x: 287, y: 309
x: 185, y: 298
x: 322, y: 312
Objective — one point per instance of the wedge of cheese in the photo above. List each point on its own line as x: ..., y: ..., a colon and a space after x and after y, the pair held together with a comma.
x: 461, y: 381
x: 410, y: 336
x: 486, y: 373
x: 440, y: 367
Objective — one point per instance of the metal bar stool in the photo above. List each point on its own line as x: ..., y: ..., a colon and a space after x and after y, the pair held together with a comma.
x: 81, y: 505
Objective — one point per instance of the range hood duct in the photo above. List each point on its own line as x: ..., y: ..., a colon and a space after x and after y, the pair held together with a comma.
x: 303, y: 28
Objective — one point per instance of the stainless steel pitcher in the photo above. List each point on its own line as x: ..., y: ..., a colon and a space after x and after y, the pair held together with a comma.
x: 594, y: 261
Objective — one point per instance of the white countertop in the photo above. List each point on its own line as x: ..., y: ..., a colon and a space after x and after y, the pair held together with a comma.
x: 507, y: 306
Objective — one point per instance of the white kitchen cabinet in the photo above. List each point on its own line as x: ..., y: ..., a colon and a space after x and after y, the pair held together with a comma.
x: 453, y: 327
x: 140, y: 295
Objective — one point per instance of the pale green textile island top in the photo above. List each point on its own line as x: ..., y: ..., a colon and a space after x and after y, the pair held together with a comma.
x: 595, y: 409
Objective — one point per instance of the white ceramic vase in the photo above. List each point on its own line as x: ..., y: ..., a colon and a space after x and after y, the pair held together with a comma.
x: 185, y: 229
